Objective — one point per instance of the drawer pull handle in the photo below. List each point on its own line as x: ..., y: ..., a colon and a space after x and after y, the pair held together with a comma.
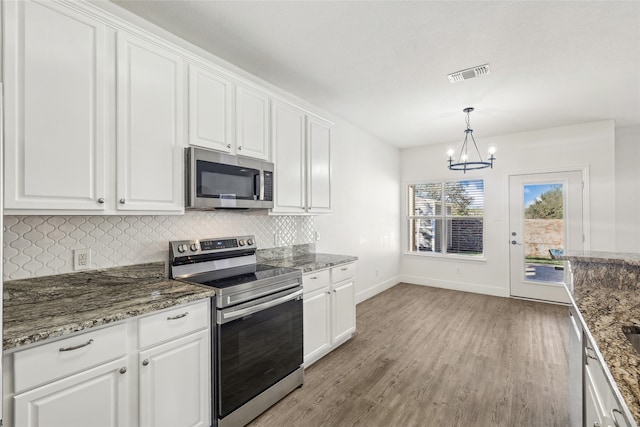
x: 75, y: 347
x: 344, y: 268
x: 314, y: 277
x: 179, y: 316
x: 588, y: 354
x: 615, y: 411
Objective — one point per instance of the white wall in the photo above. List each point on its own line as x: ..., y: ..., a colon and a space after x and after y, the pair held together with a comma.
x: 568, y: 147
x: 365, y: 219
x: 627, y: 190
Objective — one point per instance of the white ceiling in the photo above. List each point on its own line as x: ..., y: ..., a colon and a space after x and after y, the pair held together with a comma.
x: 383, y: 65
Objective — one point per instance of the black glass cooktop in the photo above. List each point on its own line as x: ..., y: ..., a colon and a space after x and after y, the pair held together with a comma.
x: 257, y: 273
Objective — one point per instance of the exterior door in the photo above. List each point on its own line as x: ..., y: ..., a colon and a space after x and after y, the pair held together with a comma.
x: 545, y: 218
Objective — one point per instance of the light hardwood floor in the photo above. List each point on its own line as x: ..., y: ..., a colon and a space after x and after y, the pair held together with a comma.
x: 432, y: 357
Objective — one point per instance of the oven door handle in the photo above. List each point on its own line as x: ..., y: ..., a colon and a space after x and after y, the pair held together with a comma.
x: 227, y: 317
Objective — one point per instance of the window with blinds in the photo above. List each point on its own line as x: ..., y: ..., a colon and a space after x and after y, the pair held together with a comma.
x: 446, y: 217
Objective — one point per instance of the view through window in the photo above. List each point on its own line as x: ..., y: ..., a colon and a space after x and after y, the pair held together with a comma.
x: 446, y: 217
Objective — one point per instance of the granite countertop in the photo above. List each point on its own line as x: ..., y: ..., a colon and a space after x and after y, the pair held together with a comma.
x: 602, y: 257
x: 311, y: 261
x: 52, y: 306
x: 607, y: 294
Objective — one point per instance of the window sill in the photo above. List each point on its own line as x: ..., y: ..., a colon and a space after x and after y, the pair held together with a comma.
x: 444, y: 257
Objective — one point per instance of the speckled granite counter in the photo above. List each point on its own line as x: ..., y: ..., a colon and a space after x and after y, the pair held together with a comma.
x: 607, y: 293
x: 308, y: 261
x: 52, y: 306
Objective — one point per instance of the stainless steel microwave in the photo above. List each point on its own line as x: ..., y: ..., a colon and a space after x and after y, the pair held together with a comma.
x: 223, y: 181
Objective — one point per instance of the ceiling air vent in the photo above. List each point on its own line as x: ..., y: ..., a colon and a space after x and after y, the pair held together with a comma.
x: 469, y: 73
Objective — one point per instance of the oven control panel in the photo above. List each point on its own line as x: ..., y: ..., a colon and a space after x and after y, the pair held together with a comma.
x: 181, y: 248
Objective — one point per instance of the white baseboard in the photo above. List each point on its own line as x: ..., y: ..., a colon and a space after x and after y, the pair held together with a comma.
x: 455, y: 286
x: 380, y: 287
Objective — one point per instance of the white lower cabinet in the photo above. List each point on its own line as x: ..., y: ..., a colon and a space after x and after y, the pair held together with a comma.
x: 594, y: 400
x: 329, y: 310
x: 317, y: 324
x: 601, y: 406
x: 95, y: 397
x: 151, y: 371
x: 174, y: 383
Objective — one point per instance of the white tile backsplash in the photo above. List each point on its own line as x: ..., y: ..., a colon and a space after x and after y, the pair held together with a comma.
x: 43, y: 245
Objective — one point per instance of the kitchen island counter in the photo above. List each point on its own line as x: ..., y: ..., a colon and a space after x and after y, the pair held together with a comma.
x: 607, y: 294
x: 46, y: 307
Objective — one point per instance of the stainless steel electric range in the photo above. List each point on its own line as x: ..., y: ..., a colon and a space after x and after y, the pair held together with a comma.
x: 257, y: 313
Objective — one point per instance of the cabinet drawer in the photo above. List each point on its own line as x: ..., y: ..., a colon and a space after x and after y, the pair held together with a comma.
x: 343, y: 272
x: 173, y: 323
x: 315, y: 280
x: 47, y: 362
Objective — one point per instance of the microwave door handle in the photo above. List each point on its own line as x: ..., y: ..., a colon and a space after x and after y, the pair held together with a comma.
x: 257, y: 183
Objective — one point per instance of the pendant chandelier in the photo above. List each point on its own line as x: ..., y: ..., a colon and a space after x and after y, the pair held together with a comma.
x: 464, y: 162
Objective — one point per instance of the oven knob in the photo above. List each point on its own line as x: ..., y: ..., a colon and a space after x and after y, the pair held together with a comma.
x: 241, y: 242
x: 182, y: 248
x: 250, y: 242
x: 194, y: 247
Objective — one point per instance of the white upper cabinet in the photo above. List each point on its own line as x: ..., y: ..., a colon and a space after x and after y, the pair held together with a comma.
x: 288, y: 127
x: 302, y: 157
x: 252, y: 123
x: 319, y: 166
x: 150, y: 126
x: 56, y: 101
x: 210, y: 110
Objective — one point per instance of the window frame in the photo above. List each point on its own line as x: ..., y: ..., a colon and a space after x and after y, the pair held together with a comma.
x: 446, y: 218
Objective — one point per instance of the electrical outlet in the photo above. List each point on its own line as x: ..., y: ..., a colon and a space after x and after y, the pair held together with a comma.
x: 81, y: 259
x: 458, y: 270
x: 317, y: 236
x: 276, y: 239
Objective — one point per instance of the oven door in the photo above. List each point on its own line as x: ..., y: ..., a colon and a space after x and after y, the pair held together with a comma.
x: 258, y: 344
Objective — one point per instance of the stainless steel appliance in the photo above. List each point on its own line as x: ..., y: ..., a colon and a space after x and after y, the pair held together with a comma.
x: 257, y: 313
x: 222, y: 181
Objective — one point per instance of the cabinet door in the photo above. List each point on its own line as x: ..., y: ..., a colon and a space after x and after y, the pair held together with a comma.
x: 175, y: 383
x: 344, y: 310
x: 150, y: 127
x: 210, y: 110
x: 96, y: 397
x: 252, y: 123
x: 592, y: 405
x: 317, y: 325
x: 56, y: 95
x: 288, y: 127
x: 319, y: 166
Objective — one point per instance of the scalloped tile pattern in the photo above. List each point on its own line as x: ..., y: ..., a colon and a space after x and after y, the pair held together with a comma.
x: 43, y: 245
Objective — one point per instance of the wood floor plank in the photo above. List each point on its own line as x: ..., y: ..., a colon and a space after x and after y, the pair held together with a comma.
x: 433, y: 357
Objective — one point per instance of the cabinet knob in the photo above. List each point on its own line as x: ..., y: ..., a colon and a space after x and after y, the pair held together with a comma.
x: 145, y: 362
x: 123, y: 370
x: 101, y: 200
x: 122, y: 201
x: 239, y: 148
x: 228, y: 145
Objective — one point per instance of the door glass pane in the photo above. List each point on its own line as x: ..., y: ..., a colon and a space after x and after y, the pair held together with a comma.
x: 543, y: 232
